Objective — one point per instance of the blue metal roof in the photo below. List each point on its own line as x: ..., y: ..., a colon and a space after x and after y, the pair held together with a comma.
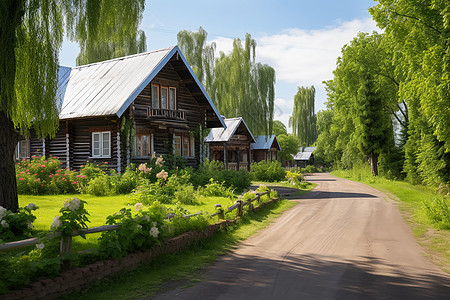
x: 264, y: 142
x: 225, y: 134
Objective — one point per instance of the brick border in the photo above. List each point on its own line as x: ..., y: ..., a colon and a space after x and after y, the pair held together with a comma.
x: 75, y: 279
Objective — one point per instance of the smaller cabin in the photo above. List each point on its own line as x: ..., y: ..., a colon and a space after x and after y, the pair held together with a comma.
x: 304, y: 157
x: 266, y: 148
x: 231, y: 145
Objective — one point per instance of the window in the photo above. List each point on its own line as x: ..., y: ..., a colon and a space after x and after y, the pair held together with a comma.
x: 164, y: 97
x: 172, y: 96
x: 178, y: 145
x: 184, y: 145
x: 143, y: 145
x: 101, y: 144
x: 23, y: 149
x: 155, y: 96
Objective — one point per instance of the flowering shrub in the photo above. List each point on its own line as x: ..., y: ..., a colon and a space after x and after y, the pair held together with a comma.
x: 41, y: 175
x: 73, y: 217
x: 16, y: 225
x: 140, y: 231
x: 294, y: 178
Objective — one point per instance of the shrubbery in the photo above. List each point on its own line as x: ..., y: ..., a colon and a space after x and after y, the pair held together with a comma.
x: 267, y: 171
x: 16, y: 225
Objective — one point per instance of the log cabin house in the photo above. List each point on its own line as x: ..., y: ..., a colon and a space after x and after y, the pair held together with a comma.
x: 304, y: 157
x: 231, y: 145
x: 266, y: 148
x: 156, y: 93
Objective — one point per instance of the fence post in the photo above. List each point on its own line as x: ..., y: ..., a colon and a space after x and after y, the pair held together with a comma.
x: 65, y: 248
x: 258, y: 198
x: 239, y: 211
x: 268, y: 194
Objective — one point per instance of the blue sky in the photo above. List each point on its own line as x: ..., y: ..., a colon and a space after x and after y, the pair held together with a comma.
x: 301, y: 39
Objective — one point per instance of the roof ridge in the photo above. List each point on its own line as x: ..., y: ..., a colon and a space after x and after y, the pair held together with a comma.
x: 123, y: 57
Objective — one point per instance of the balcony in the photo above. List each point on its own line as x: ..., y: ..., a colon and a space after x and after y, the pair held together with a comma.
x: 168, y: 114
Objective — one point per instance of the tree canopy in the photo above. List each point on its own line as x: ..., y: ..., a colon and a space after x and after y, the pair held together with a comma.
x: 303, y: 119
x: 236, y: 83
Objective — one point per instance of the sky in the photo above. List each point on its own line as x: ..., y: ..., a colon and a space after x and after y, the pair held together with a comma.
x: 300, y: 39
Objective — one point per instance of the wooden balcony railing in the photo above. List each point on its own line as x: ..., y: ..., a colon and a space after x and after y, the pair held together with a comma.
x: 166, y: 114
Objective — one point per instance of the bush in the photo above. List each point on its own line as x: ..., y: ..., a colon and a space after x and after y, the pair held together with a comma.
x: 438, y: 210
x: 267, y: 171
x: 99, y: 186
x: 216, y: 189
x: 186, y: 194
x: 16, y: 225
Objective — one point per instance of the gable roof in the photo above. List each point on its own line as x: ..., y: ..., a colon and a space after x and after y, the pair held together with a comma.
x: 225, y: 134
x: 109, y: 87
x: 304, y: 154
x: 264, y: 142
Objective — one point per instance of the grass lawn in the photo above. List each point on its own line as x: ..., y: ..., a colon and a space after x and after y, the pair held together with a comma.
x: 99, y: 208
x: 183, y: 266
x: 410, y: 199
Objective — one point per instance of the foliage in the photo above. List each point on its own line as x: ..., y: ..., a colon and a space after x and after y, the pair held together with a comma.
x: 105, y: 29
x: 279, y: 128
x: 289, y: 147
x: 178, y: 224
x: 294, y: 178
x: 140, y: 231
x: 42, y: 175
x: 16, y: 225
x: 267, y: 171
x: 237, y: 84
x: 438, y: 210
x: 214, y: 188
x: 303, y: 119
x: 73, y: 217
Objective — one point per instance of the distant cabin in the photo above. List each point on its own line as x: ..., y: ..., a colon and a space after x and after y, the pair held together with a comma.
x: 304, y: 157
x: 156, y: 92
x: 265, y: 148
x: 231, y: 145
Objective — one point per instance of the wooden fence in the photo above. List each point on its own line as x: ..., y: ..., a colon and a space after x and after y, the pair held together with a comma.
x: 66, y: 240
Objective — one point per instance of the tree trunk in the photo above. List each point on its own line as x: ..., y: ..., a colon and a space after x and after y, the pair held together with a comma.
x: 8, y: 185
x: 374, y: 163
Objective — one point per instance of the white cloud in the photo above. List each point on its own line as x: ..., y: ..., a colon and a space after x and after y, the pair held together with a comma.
x: 306, y: 57
x: 303, y: 57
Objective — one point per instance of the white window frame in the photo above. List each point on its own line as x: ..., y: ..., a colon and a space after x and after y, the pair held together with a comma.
x: 101, y: 148
x: 19, y: 147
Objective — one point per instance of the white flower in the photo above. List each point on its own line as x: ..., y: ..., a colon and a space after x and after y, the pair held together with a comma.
x: 154, y: 232
x: 72, y: 203
x: 2, y: 212
x: 32, y: 206
x: 138, y: 206
x: 56, y: 223
x: 4, y: 224
x: 159, y: 161
x: 162, y: 174
x: 139, y: 226
x: 155, y: 223
x: 30, y: 225
x: 147, y: 218
x: 40, y: 246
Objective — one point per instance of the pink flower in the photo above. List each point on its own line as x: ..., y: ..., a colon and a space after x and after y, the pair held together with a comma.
x: 42, y: 184
x: 50, y: 176
x: 21, y: 178
x: 23, y: 159
x: 35, y: 174
x: 78, y: 176
x: 83, y: 176
x: 73, y: 182
x: 37, y: 179
x: 42, y: 166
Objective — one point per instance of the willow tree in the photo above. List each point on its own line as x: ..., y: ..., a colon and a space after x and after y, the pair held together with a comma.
x: 303, y: 119
x: 237, y: 84
x: 31, y: 35
x: 105, y: 29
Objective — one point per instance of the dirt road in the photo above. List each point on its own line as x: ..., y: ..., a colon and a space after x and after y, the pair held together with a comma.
x: 344, y: 240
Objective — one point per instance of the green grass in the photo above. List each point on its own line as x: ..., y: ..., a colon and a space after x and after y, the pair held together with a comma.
x: 99, y: 208
x: 410, y: 199
x: 183, y: 266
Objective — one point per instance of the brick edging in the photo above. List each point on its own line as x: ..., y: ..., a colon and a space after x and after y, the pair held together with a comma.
x: 75, y: 279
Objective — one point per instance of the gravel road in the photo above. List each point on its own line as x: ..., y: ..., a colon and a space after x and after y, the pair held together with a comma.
x: 343, y: 240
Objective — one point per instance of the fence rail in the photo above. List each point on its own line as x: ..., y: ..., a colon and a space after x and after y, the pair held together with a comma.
x: 66, y: 241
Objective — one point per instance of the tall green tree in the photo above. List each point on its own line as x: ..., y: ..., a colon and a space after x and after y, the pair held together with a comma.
x: 237, y: 84
x: 289, y: 147
x: 279, y: 128
x: 303, y: 119
x: 31, y: 35
x: 419, y: 32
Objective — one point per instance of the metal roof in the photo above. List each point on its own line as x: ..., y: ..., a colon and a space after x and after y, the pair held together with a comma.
x: 305, y: 154
x: 225, y: 134
x: 109, y: 87
x: 264, y: 142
